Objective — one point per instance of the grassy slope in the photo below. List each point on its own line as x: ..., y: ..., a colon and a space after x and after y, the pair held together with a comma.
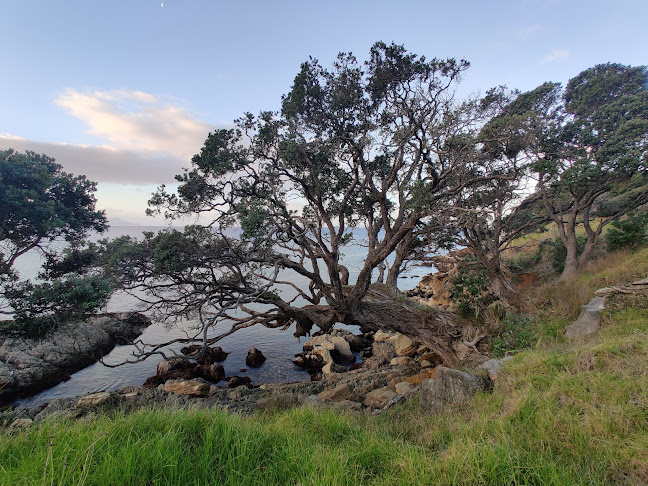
x: 561, y: 413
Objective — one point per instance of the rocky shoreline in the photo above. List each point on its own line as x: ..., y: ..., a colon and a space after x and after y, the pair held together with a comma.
x: 28, y: 366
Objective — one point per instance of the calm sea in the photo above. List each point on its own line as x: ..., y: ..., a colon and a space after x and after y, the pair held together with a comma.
x: 278, y: 346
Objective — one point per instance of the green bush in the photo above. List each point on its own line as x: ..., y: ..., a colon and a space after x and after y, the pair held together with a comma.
x: 517, y: 333
x: 630, y: 233
x: 471, y: 293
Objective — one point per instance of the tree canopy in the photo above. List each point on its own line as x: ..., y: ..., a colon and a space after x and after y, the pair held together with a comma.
x: 40, y: 205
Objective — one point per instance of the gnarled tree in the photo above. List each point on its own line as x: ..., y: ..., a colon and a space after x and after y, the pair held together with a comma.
x: 373, y: 146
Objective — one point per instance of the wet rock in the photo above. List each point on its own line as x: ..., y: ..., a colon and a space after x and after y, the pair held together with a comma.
x: 28, y: 365
x: 308, y: 360
x: 254, y: 358
x: 165, y: 367
x: 213, y: 372
x: 210, y: 355
x: 236, y: 381
x: 194, y: 388
x: 448, y: 387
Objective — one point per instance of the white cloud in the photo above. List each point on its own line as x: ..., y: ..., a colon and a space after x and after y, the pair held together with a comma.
x: 555, y: 56
x: 137, y: 121
x: 105, y: 164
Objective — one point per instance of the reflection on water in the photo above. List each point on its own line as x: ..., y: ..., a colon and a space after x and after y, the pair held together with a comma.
x: 278, y: 346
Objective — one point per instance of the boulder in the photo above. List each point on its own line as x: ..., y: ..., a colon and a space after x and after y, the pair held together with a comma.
x: 347, y: 405
x: 19, y: 424
x: 93, y: 400
x: 308, y: 360
x: 210, y: 354
x: 194, y: 388
x: 343, y: 391
x: 448, y: 387
x: 374, y: 363
x: 404, y: 388
x: 404, y: 346
x: 385, y: 351
x: 213, y: 372
x: 493, y: 366
x: 166, y: 367
x: 254, y: 358
x: 588, y: 320
x: 400, y: 360
x: 277, y: 401
x: 382, y: 337
x: 236, y: 381
x: 378, y: 398
x: 419, y: 378
x: 336, y: 345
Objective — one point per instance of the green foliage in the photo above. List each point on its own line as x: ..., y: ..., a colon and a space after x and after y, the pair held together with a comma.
x: 41, y: 205
x: 516, y: 334
x: 629, y: 233
x: 40, y: 307
x: 471, y: 285
x: 558, y: 251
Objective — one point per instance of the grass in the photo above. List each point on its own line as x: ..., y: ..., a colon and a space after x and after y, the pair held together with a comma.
x: 561, y: 413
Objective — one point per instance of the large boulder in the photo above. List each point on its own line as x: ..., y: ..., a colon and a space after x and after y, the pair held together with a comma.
x: 28, y: 365
x: 336, y: 345
x: 449, y: 386
x: 588, y: 320
x: 378, y: 398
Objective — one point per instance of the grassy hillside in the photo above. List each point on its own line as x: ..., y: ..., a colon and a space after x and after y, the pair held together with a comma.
x: 560, y: 414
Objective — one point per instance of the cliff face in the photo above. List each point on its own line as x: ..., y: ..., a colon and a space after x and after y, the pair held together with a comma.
x: 28, y: 366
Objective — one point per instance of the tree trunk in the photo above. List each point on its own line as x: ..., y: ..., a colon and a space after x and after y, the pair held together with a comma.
x: 571, y: 260
x: 386, y: 309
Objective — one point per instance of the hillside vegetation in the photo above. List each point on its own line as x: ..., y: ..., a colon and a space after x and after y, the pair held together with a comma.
x: 561, y: 413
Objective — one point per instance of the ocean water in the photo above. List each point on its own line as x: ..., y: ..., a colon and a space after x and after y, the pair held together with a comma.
x: 278, y: 346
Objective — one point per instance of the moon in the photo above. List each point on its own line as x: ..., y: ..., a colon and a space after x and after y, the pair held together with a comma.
x: 162, y: 5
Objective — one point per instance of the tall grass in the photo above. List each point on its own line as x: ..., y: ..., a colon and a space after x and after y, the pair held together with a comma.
x: 560, y: 414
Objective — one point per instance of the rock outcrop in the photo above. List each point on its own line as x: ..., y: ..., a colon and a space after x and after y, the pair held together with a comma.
x: 449, y: 386
x: 254, y: 358
x: 28, y: 366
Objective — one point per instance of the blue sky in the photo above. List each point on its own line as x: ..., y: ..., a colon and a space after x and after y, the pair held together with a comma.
x: 125, y: 91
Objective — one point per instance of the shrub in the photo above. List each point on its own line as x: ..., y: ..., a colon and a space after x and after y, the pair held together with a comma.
x: 630, y: 233
x: 517, y: 333
x: 471, y: 288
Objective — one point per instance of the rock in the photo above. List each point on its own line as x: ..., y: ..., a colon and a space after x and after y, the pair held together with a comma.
x: 378, y: 398
x: 404, y: 346
x: 343, y: 391
x: 424, y: 363
x: 493, y: 366
x: 404, y: 388
x: 400, y: 360
x: 213, y: 372
x: 449, y: 386
x: 347, y: 405
x: 210, y: 355
x: 93, y: 400
x: 374, y: 363
x: 417, y: 379
x: 194, y: 388
x: 236, y: 381
x: 588, y: 320
x: 382, y: 337
x: 333, y: 367
x: 165, y: 367
x: 357, y: 343
x: 312, y: 401
x: 385, y: 351
x: 278, y: 401
x: 254, y: 358
x: 309, y: 360
x: 433, y: 358
x: 19, y: 424
x: 337, y: 346
x: 28, y: 366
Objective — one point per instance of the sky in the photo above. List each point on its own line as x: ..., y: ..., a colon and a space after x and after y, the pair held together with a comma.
x: 126, y: 91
